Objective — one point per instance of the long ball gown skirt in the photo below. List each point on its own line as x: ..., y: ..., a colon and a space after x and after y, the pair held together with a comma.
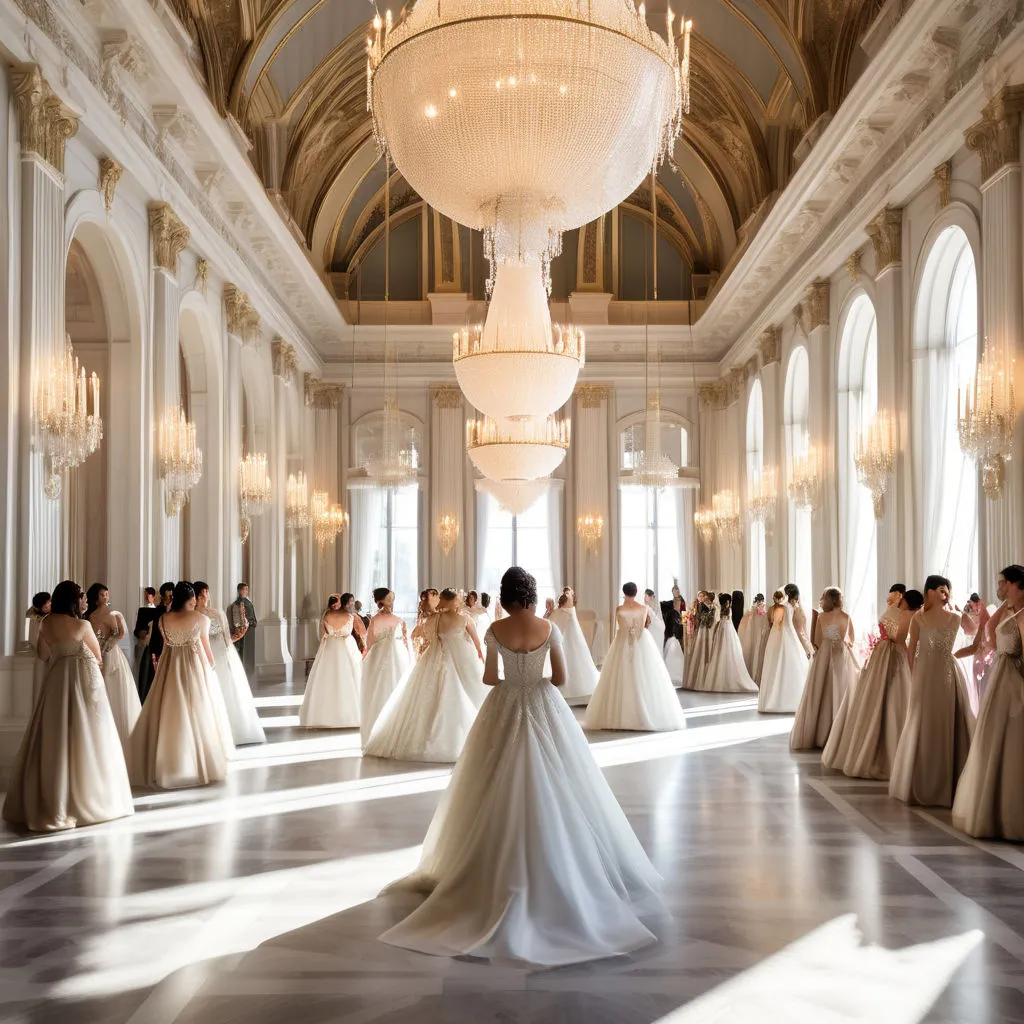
x: 933, y: 748
x: 529, y: 856
x: 785, y: 669
x: 70, y: 768
x: 727, y: 672
x: 989, y: 800
x: 674, y: 661
x: 762, y: 645
x: 122, y: 693
x: 749, y: 634
x: 183, y: 736
x: 634, y: 692
x: 331, y: 700
x: 234, y: 686
x: 697, y: 658
x: 581, y: 673
x: 831, y: 677
x: 385, y: 666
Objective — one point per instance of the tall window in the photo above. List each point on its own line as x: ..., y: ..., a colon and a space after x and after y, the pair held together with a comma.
x: 396, y: 552
x: 945, y: 360
x: 531, y: 540
x: 798, y: 441
x: 858, y: 402
x: 756, y: 546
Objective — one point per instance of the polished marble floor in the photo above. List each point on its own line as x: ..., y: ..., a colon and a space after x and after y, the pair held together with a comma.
x: 256, y: 901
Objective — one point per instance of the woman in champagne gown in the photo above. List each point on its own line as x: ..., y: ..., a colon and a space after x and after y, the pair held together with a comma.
x: 581, y: 673
x: 529, y: 856
x: 831, y: 677
x: 785, y: 660
x: 332, y: 696
x: 699, y: 652
x: 386, y: 663
x: 634, y: 691
x: 69, y: 769
x: 749, y: 632
x: 867, y: 728
x: 230, y: 673
x: 989, y: 802
x: 726, y: 672
x: 183, y: 736
x: 429, y: 716
x: 933, y: 748
x: 111, y: 629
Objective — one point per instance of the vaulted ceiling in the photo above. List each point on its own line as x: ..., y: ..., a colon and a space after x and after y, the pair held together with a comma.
x: 293, y: 75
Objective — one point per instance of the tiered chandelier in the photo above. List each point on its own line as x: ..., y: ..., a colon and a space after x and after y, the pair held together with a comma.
x: 328, y: 520
x: 66, y: 433
x: 297, y: 511
x: 517, y: 449
x: 448, y: 530
x: 762, y: 496
x: 180, y: 459
x: 875, y: 457
x: 805, y: 480
x: 987, y: 415
x: 514, y: 496
x: 725, y: 512
x: 590, y: 530
x: 254, y: 489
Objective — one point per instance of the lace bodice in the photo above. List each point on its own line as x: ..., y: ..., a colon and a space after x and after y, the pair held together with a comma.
x: 180, y: 637
x: 108, y: 641
x: 832, y: 634
x: 386, y: 633
x: 1008, y: 638
x: 938, y: 639
x: 630, y: 625
x: 889, y: 623
x: 339, y: 633
x: 216, y: 627
x: 70, y: 649
x: 525, y: 669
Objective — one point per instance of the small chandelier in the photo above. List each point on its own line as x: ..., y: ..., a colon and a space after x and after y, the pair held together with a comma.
x: 725, y: 513
x: 762, y: 496
x: 396, y: 462
x: 875, y: 457
x: 986, y: 418
x: 254, y: 490
x: 704, y: 520
x: 652, y: 468
x: 328, y: 520
x: 66, y: 434
x: 805, y: 480
x: 590, y: 529
x: 514, y: 496
x: 517, y: 450
x: 297, y: 511
x: 180, y: 459
x: 447, y: 533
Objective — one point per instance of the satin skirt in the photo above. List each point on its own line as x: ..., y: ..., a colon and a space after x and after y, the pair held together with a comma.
x: 332, y: 696
x: 385, y: 667
x: 122, y: 693
x: 831, y: 678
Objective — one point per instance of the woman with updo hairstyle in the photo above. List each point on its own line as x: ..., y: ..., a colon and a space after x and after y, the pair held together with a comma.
x: 386, y: 663
x: 332, y: 696
x: 529, y: 856
x: 727, y: 671
x: 784, y: 668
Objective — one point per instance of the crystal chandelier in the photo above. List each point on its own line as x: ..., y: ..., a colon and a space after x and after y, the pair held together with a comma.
x: 254, y: 490
x: 762, y: 496
x: 725, y: 514
x: 704, y: 521
x: 514, y: 496
x: 297, y: 511
x: 986, y: 418
x: 517, y: 450
x: 180, y: 459
x: 590, y: 529
x: 447, y: 533
x: 805, y: 480
x: 875, y: 457
x: 66, y: 433
x: 396, y: 462
x: 328, y: 520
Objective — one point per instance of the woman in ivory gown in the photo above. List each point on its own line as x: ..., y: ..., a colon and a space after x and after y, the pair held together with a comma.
x: 785, y: 656
x: 866, y: 732
x: 426, y: 609
x: 70, y: 768
x: 386, y: 663
x: 726, y: 671
x: 331, y: 700
x: 634, y: 691
x: 831, y: 677
x: 933, y: 747
x: 749, y: 632
x: 698, y: 656
x: 183, y: 736
x: 989, y: 802
x: 429, y: 716
x: 230, y: 673
x: 657, y: 626
x: 674, y: 660
x: 110, y: 629
x: 581, y: 673
x: 529, y: 856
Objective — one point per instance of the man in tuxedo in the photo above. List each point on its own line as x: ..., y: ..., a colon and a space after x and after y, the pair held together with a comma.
x: 242, y: 619
x: 154, y: 648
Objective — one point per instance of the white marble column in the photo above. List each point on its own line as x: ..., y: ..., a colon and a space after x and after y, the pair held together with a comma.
x: 324, y: 400
x: 594, y: 576
x: 451, y: 486
x: 769, y: 345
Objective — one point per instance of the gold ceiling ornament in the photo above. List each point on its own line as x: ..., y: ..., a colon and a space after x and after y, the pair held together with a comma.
x: 297, y: 511
x: 180, y: 459
x: 448, y: 530
x: 517, y: 449
x: 254, y: 489
x: 987, y: 414
x: 805, y: 479
x: 875, y: 456
x: 514, y: 496
x: 762, y: 496
x: 590, y: 530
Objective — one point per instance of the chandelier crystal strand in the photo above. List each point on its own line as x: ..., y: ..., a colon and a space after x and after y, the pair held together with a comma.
x: 328, y: 520
x: 297, y: 510
x: 987, y: 414
x: 704, y: 521
x: 725, y: 514
x: 517, y: 449
x: 66, y: 433
x: 447, y: 532
x: 180, y: 459
x: 514, y: 496
x: 875, y: 456
x: 254, y: 489
x: 762, y: 496
x: 805, y: 480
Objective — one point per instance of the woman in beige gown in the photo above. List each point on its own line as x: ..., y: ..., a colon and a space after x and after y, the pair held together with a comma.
x: 989, y: 796
x: 70, y: 768
x: 183, y: 736
x: 933, y: 748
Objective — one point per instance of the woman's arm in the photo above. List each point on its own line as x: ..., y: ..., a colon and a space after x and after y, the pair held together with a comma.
x: 121, y: 626
x: 851, y: 633
x: 491, y: 665
x: 204, y: 636
x: 358, y: 628
x: 817, y: 632
x: 471, y: 630
x: 92, y: 643
x: 557, y: 663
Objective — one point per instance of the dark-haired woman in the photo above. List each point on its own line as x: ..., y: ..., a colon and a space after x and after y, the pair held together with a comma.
x: 183, y: 737
x: 70, y: 767
x: 429, y: 716
x: 387, y: 660
x: 331, y: 700
x: 529, y: 856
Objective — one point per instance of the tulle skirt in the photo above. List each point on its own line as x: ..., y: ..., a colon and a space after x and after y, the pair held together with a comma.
x: 122, y: 694
x: 634, y: 692
x: 581, y: 673
x: 830, y: 679
x: 243, y: 717
x: 70, y: 767
x: 697, y: 659
x: 727, y: 672
x: 529, y: 856
x: 331, y: 700
x: 674, y: 661
x: 384, y: 668
x: 783, y: 674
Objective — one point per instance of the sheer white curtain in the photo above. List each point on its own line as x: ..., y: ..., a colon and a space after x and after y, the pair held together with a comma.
x: 798, y: 441
x: 367, y: 517
x: 483, y: 520
x: 555, y: 531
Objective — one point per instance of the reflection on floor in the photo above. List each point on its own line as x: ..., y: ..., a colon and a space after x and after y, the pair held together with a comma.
x: 255, y: 901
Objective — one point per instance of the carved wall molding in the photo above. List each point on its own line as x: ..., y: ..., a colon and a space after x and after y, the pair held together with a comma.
x: 853, y: 264
x: 770, y: 345
x: 886, y: 234
x: 320, y: 395
x: 243, y: 320
x: 45, y: 123
x: 285, y: 360
x: 169, y: 236
x: 816, y: 304
x: 943, y: 175
x: 590, y: 396
x: 996, y: 137
x: 446, y: 396
x: 202, y: 275
x: 725, y: 391
x: 110, y: 175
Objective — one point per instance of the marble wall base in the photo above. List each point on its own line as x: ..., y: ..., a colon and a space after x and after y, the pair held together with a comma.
x: 273, y: 660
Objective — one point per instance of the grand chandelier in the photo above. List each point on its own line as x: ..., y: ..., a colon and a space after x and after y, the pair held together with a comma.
x: 180, y: 459
x: 328, y: 520
x: 297, y: 511
x: 725, y: 515
x: 986, y: 418
x: 519, y: 449
x: 396, y: 461
x: 514, y: 496
x: 805, y: 480
x: 652, y: 468
x: 254, y: 490
x: 875, y: 457
x: 66, y: 433
x: 762, y: 496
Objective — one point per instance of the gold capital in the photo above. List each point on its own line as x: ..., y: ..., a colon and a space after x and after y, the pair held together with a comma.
x: 320, y: 395
x: 770, y: 345
x: 169, y: 234
x: 590, y: 396
x: 886, y: 234
x: 816, y: 304
x: 445, y: 396
x: 110, y: 175
x: 45, y: 122
x: 997, y: 135
x: 243, y: 320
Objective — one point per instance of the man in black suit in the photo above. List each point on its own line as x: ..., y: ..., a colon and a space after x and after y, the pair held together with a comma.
x: 147, y: 669
x: 143, y: 620
x: 242, y: 619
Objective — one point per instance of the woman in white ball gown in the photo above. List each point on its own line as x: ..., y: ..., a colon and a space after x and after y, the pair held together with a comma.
x: 634, y: 691
x: 657, y: 626
x: 70, y: 768
x: 831, y: 677
x: 429, y: 716
x: 581, y: 673
x: 529, y: 856
x: 331, y: 700
x: 387, y: 660
x: 935, y: 741
x: 785, y: 655
x: 183, y: 736
x: 726, y: 672
x: 110, y: 629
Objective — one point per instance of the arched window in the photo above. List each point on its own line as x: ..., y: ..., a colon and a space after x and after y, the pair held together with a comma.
x: 798, y: 442
x: 756, y: 553
x: 531, y: 539
x: 945, y: 361
x: 858, y: 402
